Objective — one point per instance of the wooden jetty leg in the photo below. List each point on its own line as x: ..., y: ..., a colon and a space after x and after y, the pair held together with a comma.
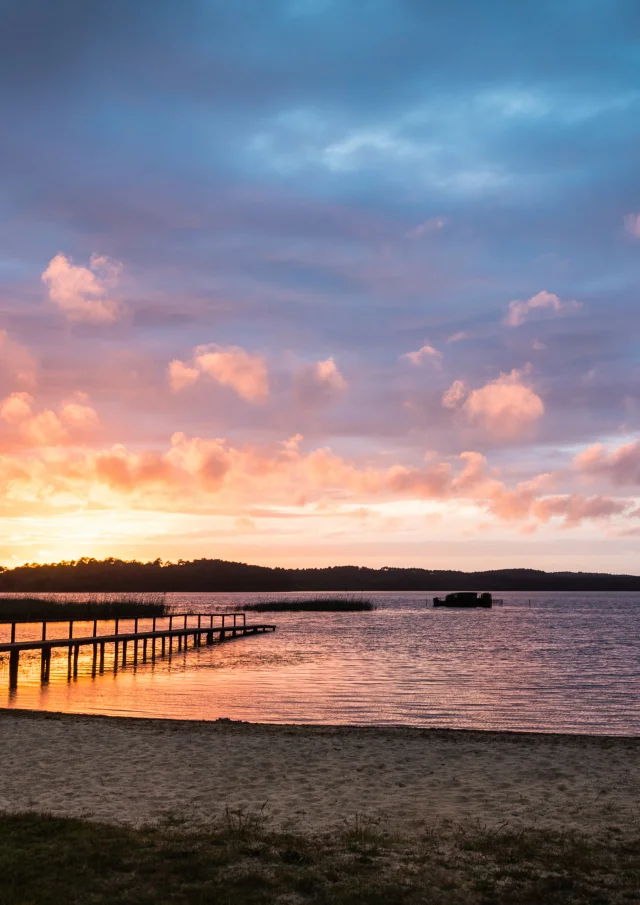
x: 115, y: 658
x: 153, y: 650
x: 135, y: 651
x: 76, y: 654
x: 101, y: 656
x: 94, y: 660
x: 234, y: 625
x: 144, y: 651
x: 164, y: 645
x: 47, y: 663
x: 69, y: 655
x: 124, y: 653
x: 209, y: 637
x: 14, y: 660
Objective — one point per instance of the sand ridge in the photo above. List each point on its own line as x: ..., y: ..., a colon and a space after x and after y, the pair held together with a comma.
x: 140, y: 771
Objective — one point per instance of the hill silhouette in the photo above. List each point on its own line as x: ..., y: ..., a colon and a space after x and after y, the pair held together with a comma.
x: 219, y: 575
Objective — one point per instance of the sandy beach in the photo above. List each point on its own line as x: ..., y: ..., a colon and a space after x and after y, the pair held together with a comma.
x: 314, y: 778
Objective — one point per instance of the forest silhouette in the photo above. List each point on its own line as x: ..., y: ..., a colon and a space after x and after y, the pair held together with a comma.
x: 209, y: 575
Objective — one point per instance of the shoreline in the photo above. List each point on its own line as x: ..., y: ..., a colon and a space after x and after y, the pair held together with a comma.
x: 137, y: 770
x: 29, y: 712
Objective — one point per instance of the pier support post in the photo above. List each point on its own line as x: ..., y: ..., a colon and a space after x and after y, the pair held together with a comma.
x: 124, y: 653
x: 144, y: 650
x: 76, y: 654
x: 14, y: 660
x: 102, y: 657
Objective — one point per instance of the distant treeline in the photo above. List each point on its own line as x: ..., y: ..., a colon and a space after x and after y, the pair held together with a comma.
x: 116, y: 575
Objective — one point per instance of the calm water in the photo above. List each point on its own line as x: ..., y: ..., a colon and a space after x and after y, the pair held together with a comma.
x: 563, y: 662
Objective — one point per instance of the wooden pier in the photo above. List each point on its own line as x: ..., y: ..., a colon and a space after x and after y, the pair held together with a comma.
x: 217, y: 627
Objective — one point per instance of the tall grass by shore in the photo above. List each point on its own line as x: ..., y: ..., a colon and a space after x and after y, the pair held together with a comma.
x: 65, y: 607
x: 52, y: 861
x: 312, y: 605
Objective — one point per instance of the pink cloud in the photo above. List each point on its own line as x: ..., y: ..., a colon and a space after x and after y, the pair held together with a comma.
x: 319, y: 382
x: 198, y: 475
x: 621, y: 467
x: 27, y: 428
x: 519, y: 311
x: 506, y: 407
x: 181, y: 375
x: 574, y: 509
x: 425, y: 353
x: 16, y: 408
x: 77, y: 415
x: 454, y: 395
x: 229, y: 366
x: 17, y: 367
x: 82, y: 293
x: 632, y: 225
x: 457, y: 337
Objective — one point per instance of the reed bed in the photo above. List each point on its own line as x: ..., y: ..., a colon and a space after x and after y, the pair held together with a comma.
x: 65, y: 607
x: 313, y: 605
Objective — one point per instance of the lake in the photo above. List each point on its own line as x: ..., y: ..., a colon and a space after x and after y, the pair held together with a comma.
x: 541, y: 662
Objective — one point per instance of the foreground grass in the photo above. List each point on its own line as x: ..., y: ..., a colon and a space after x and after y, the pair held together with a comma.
x: 313, y: 605
x: 47, y: 861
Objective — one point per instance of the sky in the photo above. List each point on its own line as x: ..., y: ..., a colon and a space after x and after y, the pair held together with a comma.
x: 311, y: 282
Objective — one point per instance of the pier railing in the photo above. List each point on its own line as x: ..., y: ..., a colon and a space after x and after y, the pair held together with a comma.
x: 163, y: 629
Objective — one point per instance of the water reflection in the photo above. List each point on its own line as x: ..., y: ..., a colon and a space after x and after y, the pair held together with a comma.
x: 566, y: 663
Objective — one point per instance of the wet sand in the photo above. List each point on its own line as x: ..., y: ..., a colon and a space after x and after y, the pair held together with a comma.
x: 314, y: 778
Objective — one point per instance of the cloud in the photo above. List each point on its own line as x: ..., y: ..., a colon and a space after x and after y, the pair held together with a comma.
x: 46, y: 428
x: 425, y: 353
x: 16, y: 408
x: 17, y: 367
x: 77, y: 415
x: 229, y: 366
x: 457, y: 337
x: 319, y: 383
x: 574, y: 509
x: 211, y: 475
x: 454, y: 395
x: 632, y: 225
x: 621, y: 466
x: 82, y: 293
x: 505, y: 407
x: 519, y: 311
x: 181, y: 375
x: 427, y: 226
